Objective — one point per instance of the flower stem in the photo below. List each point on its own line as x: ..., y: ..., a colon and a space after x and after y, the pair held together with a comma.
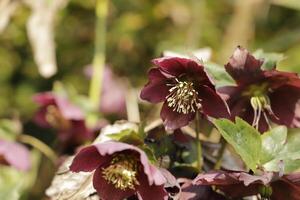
x: 99, y: 55
x: 220, y: 153
x: 39, y: 145
x: 198, y: 143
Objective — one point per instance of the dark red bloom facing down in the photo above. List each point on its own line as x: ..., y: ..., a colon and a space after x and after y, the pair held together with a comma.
x: 262, y: 95
x: 14, y: 154
x: 59, y: 113
x: 185, y: 88
x: 121, y: 170
x: 238, y: 184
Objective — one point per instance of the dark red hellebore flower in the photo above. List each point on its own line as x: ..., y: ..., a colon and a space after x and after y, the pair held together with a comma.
x: 185, y: 88
x: 59, y: 113
x: 261, y: 95
x: 121, y: 170
x: 238, y: 184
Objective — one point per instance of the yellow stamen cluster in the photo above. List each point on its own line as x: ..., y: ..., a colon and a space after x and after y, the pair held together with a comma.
x: 122, y: 172
x: 183, y: 98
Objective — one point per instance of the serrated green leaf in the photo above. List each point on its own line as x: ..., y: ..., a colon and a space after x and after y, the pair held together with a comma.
x: 270, y: 59
x: 273, y: 142
x: 289, y: 154
x: 244, y: 139
x: 219, y: 75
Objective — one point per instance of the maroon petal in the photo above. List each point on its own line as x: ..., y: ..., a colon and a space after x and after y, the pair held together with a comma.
x: 243, y: 67
x: 44, y: 99
x: 107, y: 191
x: 77, y: 134
x: 15, y: 155
x: 156, y: 89
x: 87, y: 160
x: 189, y: 191
x: 229, y: 92
x: 234, y: 183
x: 196, y: 72
x: 150, y: 192
x: 277, y: 78
x: 174, y: 120
x: 40, y: 117
x: 212, y: 104
x: 172, y: 65
x: 288, y: 187
x: 285, y: 105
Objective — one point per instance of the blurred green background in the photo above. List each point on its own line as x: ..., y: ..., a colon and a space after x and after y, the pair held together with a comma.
x: 139, y: 30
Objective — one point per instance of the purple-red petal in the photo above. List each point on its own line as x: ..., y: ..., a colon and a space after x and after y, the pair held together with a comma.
x: 15, y: 154
x: 212, y: 103
x: 174, y: 66
x: 243, y: 67
x: 156, y: 89
x: 150, y: 192
x: 287, y: 111
x: 174, y: 120
x: 88, y: 159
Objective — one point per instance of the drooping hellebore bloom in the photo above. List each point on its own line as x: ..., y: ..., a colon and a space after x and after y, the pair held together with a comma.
x: 261, y: 95
x: 185, y: 88
x: 121, y: 170
x: 238, y: 184
x: 59, y: 113
x: 14, y: 154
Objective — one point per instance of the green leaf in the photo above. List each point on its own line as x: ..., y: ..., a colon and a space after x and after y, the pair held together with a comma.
x: 273, y: 142
x: 289, y: 154
x: 244, y: 138
x: 294, y: 4
x: 128, y: 136
x: 270, y: 59
x: 219, y: 75
x: 150, y: 154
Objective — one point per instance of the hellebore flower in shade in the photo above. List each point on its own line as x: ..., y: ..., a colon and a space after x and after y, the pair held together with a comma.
x: 58, y: 112
x: 121, y: 170
x: 261, y: 95
x: 189, y: 191
x: 113, y: 96
x: 14, y: 154
x: 185, y: 88
x: 238, y: 184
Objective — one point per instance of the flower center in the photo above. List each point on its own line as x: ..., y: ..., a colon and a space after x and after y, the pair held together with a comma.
x: 122, y: 172
x: 256, y: 90
x: 183, y: 98
x: 56, y: 119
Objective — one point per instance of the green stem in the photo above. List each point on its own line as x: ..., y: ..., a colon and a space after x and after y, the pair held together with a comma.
x: 198, y: 143
x: 220, y: 153
x: 99, y: 55
x: 39, y: 145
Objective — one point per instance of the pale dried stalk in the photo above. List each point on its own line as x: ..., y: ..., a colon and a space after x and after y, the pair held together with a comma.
x: 7, y: 9
x: 241, y: 27
x: 40, y: 30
